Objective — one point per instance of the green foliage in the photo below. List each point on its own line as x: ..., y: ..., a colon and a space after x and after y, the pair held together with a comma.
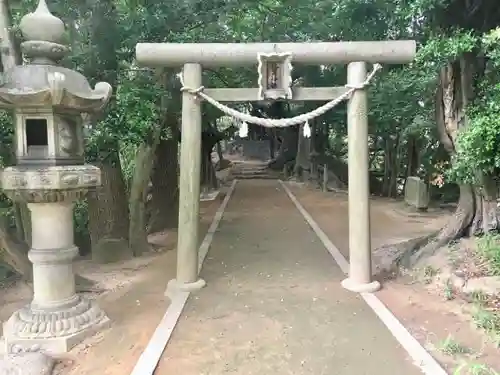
x: 6, y: 139
x: 478, y: 144
x: 6, y: 156
x: 80, y: 217
x: 440, y: 50
x: 131, y: 117
x: 490, y: 42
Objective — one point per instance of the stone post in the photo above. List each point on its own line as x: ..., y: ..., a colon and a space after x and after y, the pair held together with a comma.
x: 360, y: 270
x: 189, y: 187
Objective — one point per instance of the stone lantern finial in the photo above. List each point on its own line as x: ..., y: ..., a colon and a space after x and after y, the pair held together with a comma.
x: 44, y: 34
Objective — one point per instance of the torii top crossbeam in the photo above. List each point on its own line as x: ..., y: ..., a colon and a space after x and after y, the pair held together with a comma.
x: 244, y: 54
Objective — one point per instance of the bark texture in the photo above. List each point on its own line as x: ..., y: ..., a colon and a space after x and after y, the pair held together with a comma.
x: 108, y: 214
x: 143, y: 165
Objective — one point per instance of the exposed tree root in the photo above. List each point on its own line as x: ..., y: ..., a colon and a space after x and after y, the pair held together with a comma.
x: 389, y: 258
x: 412, y: 253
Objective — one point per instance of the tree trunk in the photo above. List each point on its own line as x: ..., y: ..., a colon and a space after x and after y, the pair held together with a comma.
x: 22, y: 217
x: 387, y: 166
x: 391, y: 166
x: 209, y: 139
x: 450, y: 118
x: 10, y: 52
x: 413, y: 156
x: 165, y: 186
x: 219, y: 152
x: 288, y: 148
x: 15, y: 252
x: 475, y: 212
x: 486, y: 217
x: 163, y: 205
x: 394, y: 171
x: 208, y: 176
x: 108, y: 206
x: 271, y: 133
x: 302, y: 163
x: 108, y: 213
x: 143, y: 165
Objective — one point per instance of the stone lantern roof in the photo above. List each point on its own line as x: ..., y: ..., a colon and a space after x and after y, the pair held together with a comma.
x: 41, y: 82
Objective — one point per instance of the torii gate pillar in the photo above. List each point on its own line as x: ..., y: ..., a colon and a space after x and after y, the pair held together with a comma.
x: 360, y: 263
x: 195, y: 55
x: 189, y: 184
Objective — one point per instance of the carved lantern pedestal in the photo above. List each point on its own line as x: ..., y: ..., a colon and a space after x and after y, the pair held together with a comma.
x: 48, y: 102
x: 57, y: 318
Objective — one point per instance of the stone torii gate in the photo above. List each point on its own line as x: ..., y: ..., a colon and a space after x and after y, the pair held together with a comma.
x: 274, y: 67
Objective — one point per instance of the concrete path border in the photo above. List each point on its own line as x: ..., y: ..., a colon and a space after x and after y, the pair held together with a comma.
x: 421, y: 358
x: 148, y: 361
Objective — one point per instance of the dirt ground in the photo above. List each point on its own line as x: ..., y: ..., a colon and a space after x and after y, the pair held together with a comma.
x: 134, y: 302
x: 421, y: 308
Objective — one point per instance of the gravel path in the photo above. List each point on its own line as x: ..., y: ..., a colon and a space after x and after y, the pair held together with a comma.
x: 274, y: 304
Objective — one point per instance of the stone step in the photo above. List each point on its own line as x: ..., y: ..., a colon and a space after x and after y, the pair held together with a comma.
x: 248, y: 171
x: 251, y: 167
x: 253, y: 172
x: 256, y: 177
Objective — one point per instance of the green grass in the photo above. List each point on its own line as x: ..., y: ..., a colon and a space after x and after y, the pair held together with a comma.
x: 452, y: 348
x: 479, y: 298
x: 429, y: 273
x: 449, y: 292
x: 487, y: 320
x: 488, y: 248
x: 474, y: 369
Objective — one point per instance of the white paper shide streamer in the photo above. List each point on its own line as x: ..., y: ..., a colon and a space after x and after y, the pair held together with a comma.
x: 306, y: 130
x: 243, y: 132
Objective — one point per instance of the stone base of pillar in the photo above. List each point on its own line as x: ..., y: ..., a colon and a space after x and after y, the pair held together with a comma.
x: 53, y: 331
x: 175, y: 286
x: 357, y: 287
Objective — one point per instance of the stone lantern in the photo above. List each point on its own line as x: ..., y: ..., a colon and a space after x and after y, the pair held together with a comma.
x: 48, y: 102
